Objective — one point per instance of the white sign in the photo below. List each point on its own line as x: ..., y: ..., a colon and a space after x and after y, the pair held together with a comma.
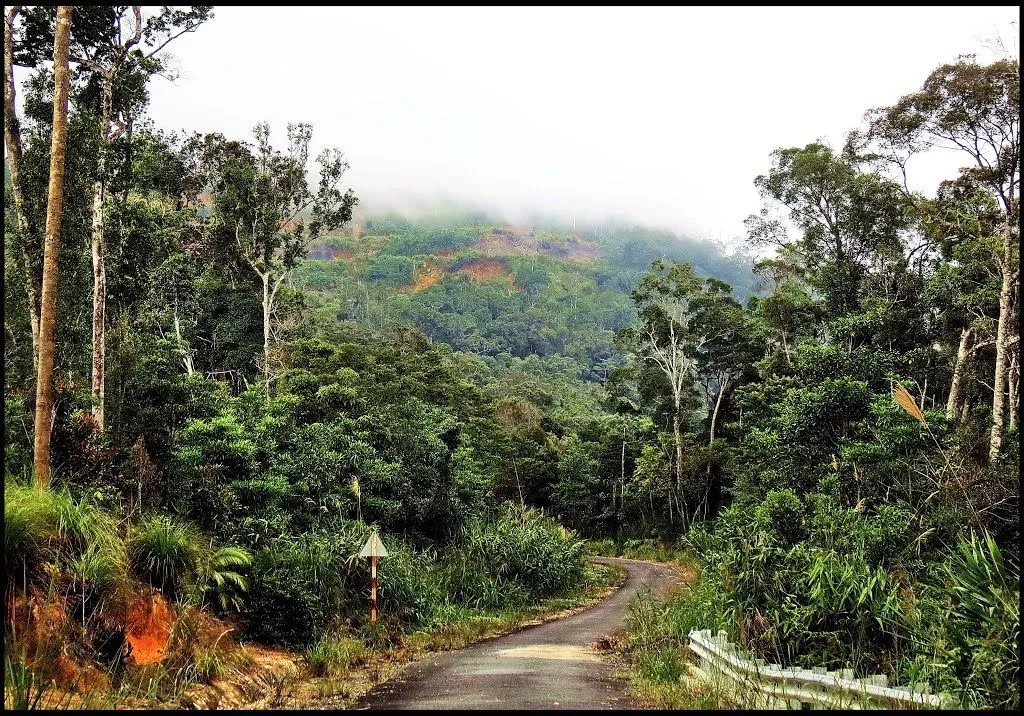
x: 373, y: 547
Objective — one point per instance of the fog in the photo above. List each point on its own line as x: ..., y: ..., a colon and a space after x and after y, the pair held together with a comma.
x: 662, y: 116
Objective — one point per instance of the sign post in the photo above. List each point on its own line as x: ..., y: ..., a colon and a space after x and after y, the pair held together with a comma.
x: 373, y: 549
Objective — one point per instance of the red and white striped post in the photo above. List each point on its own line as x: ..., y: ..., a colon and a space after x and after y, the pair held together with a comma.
x: 373, y: 587
x: 373, y: 549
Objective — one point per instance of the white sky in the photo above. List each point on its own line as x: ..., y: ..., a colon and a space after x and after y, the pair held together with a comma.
x: 660, y: 115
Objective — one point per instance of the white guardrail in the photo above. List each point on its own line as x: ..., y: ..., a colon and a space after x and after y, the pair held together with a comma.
x: 769, y: 686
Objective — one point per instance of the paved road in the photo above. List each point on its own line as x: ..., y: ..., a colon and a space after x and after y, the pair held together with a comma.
x: 549, y: 666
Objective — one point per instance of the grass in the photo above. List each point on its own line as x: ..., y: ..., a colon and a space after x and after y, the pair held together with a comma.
x: 646, y: 549
x: 686, y: 692
x: 657, y: 633
x: 334, y: 653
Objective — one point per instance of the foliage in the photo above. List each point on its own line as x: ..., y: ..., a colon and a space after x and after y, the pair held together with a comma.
x: 514, y: 560
x: 984, y: 620
x: 332, y: 653
x: 454, y: 381
x: 173, y: 556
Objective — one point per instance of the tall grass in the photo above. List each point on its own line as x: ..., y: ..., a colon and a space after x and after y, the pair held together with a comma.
x: 332, y: 653
x: 44, y: 526
x: 657, y: 635
x: 838, y: 588
x: 520, y: 557
x: 72, y: 560
x: 984, y: 620
x: 174, y: 557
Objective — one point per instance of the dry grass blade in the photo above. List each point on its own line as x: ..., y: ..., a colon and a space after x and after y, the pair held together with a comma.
x: 903, y: 398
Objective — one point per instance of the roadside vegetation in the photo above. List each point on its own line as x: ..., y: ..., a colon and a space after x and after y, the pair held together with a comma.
x: 108, y: 612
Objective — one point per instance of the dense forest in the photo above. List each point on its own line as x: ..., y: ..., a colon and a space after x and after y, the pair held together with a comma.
x: 219, y: 377
x: 492, y: 288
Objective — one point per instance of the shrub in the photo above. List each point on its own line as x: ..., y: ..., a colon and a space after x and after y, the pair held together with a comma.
x: 301, y: 584
x: 165, y: 552
x: 174, y: 557
x: 332, y: 653
x: 42, y: 525
x: 519, y: 557
x: 984, y: 620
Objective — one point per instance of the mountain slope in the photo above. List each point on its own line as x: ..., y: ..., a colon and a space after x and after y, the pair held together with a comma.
x: 492, y: 287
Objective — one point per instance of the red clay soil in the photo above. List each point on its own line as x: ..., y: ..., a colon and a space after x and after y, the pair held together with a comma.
x: 341, y: 254
x: 43, y: 638
x: 147, y: 630
x: 487, y: 270
x: 426, y: 276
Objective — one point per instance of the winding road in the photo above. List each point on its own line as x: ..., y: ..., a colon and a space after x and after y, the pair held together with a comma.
x: 548, y: 666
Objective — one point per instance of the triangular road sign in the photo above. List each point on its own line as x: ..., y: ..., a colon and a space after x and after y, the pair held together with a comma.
x: 373, y: 547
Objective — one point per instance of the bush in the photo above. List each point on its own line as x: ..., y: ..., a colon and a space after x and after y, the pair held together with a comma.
x: 301, y: 584
x: 522, y: 556
x: 166, y: 553
x: 175, y: 558
x: 984, y: 621
x: 332, y: 653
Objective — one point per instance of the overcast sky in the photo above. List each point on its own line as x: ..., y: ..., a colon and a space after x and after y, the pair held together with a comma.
x: 660, y: 115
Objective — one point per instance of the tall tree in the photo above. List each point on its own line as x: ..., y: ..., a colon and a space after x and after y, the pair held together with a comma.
x: 13, y: 142
x: 973, y: 109
x: 963, y: 221
x: 265, y: 201
x: 120, y: 51
x: 48, y: 306
x: 730, y: 348
x: 846, y: 218
x: 667, y: 339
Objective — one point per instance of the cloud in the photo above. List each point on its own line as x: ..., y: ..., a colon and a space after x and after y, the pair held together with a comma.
x: 663, y: 115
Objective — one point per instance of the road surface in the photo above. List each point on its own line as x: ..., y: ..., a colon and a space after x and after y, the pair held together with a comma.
x: 549, y: 666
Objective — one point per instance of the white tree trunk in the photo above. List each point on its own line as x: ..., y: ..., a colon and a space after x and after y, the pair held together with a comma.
x: 99, y: 271
x: 1013, y: 383
x: 1003, y: 334
x: 12, y: 138
x: 956, y: 385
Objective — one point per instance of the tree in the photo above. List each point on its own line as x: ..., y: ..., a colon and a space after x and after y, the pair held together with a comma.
x: 48, y: 306
x: 264, y: 200
x: 963, y: 222
x: 12, y: 139
x: 785, y: 314
x: 973, y: 109
x: 120, y: 54
x: 667, y: 340
x: 846, y: 218
x: 728, y: 352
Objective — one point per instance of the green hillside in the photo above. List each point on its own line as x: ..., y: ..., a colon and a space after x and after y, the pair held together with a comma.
x: 491, y: 287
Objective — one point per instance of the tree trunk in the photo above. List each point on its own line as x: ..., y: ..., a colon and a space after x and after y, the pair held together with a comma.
x: 266, y: 330
x: 706, y: 504
x: 186, y: 356
x: 1003, y: 335
x: 12, y: 137
x: 99, y: 271
x: 1013, y: 382
x: 677, y: 490
x: 51, y: 249
x: 718, y: 404
x: 956, y: 386
x: 622, y: 484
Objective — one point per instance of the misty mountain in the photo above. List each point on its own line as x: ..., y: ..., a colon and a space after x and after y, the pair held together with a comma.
x: 493, y: 288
